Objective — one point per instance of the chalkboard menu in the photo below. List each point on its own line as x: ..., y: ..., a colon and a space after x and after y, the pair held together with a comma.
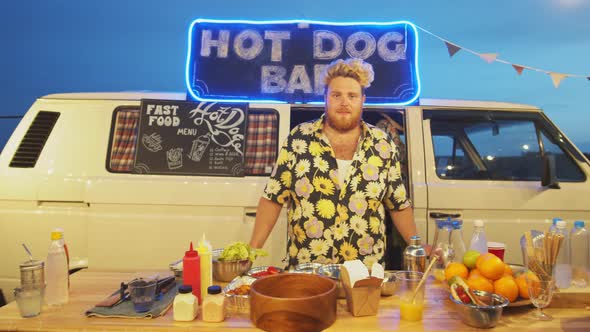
x: 191, y: 138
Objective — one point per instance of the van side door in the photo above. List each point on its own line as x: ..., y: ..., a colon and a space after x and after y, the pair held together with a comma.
x: 488, y: 164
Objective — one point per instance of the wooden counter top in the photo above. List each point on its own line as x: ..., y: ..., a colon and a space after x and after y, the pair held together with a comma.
x: 88, y: 288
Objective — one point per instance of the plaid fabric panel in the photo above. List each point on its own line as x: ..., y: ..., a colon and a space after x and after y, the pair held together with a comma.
x: 125, y: 137
x: 261, y: 143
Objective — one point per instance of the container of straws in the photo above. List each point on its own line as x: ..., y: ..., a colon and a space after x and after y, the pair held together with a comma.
x: 541, y: 250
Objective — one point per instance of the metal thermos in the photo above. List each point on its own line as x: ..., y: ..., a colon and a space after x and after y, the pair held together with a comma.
x: 32, y: 274
x: 415, y: 255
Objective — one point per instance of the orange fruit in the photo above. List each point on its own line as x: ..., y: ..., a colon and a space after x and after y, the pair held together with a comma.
x: 456, y: 269
x: 523, y: 290
x: 481, y: 258
x: 491, y: 267
x: 508, y: 270
x: 474, y: 272
x: 507, y: 287
x: 480, y: 283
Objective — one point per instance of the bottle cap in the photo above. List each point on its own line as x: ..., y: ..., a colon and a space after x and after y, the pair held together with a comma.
x: 415, y: 240
x: 578, y: 223
x: 561, y: 224
x: 555, y: 220
x: 204, y: 246
x: 185, y: 289
x: 56, y: 236
x: 456, y: 224
x: 478, y: 223
x: 215, y: 289
x: 191, y: 252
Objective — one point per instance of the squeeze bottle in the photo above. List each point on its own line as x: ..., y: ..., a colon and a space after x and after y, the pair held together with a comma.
x: 204, y: 250
x: 56, y: 272
x: 191, y: 271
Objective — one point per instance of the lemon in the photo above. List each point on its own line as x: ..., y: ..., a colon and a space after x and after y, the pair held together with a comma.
x: 470, y: 258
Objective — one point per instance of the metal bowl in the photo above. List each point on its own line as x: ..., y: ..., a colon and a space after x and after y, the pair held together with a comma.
x: 389, y: 285
x: 227, y: 271
x: 481, y: 316
x: 311, y: 268
x: 258, y: 269
x: 332, y: 271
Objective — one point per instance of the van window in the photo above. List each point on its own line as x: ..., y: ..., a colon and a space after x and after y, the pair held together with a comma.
x: 261, y: 140
x: 496, y: 146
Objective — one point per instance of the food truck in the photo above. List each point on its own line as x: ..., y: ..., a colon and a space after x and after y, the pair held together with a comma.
x: 133, y: 177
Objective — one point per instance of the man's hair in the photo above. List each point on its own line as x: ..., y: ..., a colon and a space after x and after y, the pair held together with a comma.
x: 354, y: 68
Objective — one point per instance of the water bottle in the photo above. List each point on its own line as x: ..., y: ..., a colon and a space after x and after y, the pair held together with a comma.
x: 562, y: 272
x: 553, y: 227
x: 56, y: 272
x: 478, y: 240
x: 579, y: 254
x: 457, y: 243
x: 442, y: 245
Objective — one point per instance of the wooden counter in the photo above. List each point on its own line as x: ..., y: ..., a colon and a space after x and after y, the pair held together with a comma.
x: 88, y: 288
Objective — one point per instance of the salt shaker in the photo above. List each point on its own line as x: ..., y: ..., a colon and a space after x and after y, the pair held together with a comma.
x: 415, y: 255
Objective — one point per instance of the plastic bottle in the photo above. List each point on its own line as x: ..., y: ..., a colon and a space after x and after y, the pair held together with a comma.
x: 186, y: 305
x: 213, y: 305
x: 63, y: 242
x: 204, y: 250
x: 553, y: 226
x: 478, y: 239
x: 579, y: 254
x: 56, y: 272
x: 456, y: 242
x: 191, y: 271
x: 562, y: 272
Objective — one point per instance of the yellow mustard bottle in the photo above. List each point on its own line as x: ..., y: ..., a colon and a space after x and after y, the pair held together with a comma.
x: 204, y: 250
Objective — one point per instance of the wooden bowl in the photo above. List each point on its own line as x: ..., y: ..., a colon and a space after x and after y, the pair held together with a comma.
x: 293, y: 302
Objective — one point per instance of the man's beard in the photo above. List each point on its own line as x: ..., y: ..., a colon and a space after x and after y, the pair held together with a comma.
x: 342, y: 124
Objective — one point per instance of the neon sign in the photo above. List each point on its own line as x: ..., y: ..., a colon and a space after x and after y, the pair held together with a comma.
x: 281, y: 61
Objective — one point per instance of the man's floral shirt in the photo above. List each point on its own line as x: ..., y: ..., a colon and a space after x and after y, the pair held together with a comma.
x: 329, y: 223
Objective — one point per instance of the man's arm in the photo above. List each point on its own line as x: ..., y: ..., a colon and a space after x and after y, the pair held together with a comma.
x: 403, y: 220
x: 267, y: 214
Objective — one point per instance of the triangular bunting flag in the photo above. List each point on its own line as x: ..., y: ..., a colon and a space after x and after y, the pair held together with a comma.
x: 518, y: 69
x: 557, y: 78
x: 452, y: 48
x: 489, y: 57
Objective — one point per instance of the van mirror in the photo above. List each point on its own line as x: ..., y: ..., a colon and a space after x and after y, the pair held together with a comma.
x: 549, y: 178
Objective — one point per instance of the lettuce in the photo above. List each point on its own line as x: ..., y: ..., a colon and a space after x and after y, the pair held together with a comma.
x: 238, y: 251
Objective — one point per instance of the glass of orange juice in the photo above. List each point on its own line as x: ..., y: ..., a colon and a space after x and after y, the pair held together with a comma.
x: 411, y: 304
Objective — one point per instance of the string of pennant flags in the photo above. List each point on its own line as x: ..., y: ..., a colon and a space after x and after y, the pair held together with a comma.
x: 453, y: 48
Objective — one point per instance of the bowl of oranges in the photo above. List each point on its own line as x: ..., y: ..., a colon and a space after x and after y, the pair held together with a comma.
x: 488, y: 273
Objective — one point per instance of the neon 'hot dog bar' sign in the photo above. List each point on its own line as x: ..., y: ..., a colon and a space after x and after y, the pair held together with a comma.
x: 281, y: 61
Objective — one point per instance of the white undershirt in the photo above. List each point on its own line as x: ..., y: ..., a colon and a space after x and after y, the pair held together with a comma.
x: 343, y: 166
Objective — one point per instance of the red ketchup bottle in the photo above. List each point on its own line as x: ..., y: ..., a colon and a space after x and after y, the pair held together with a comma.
x: 191, y: 271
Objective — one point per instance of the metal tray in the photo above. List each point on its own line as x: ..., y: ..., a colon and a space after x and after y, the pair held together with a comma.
x: 239, y: 303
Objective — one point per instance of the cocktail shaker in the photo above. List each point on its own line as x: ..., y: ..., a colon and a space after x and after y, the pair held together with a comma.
x: 32, y: 274
x: 415, y: 255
